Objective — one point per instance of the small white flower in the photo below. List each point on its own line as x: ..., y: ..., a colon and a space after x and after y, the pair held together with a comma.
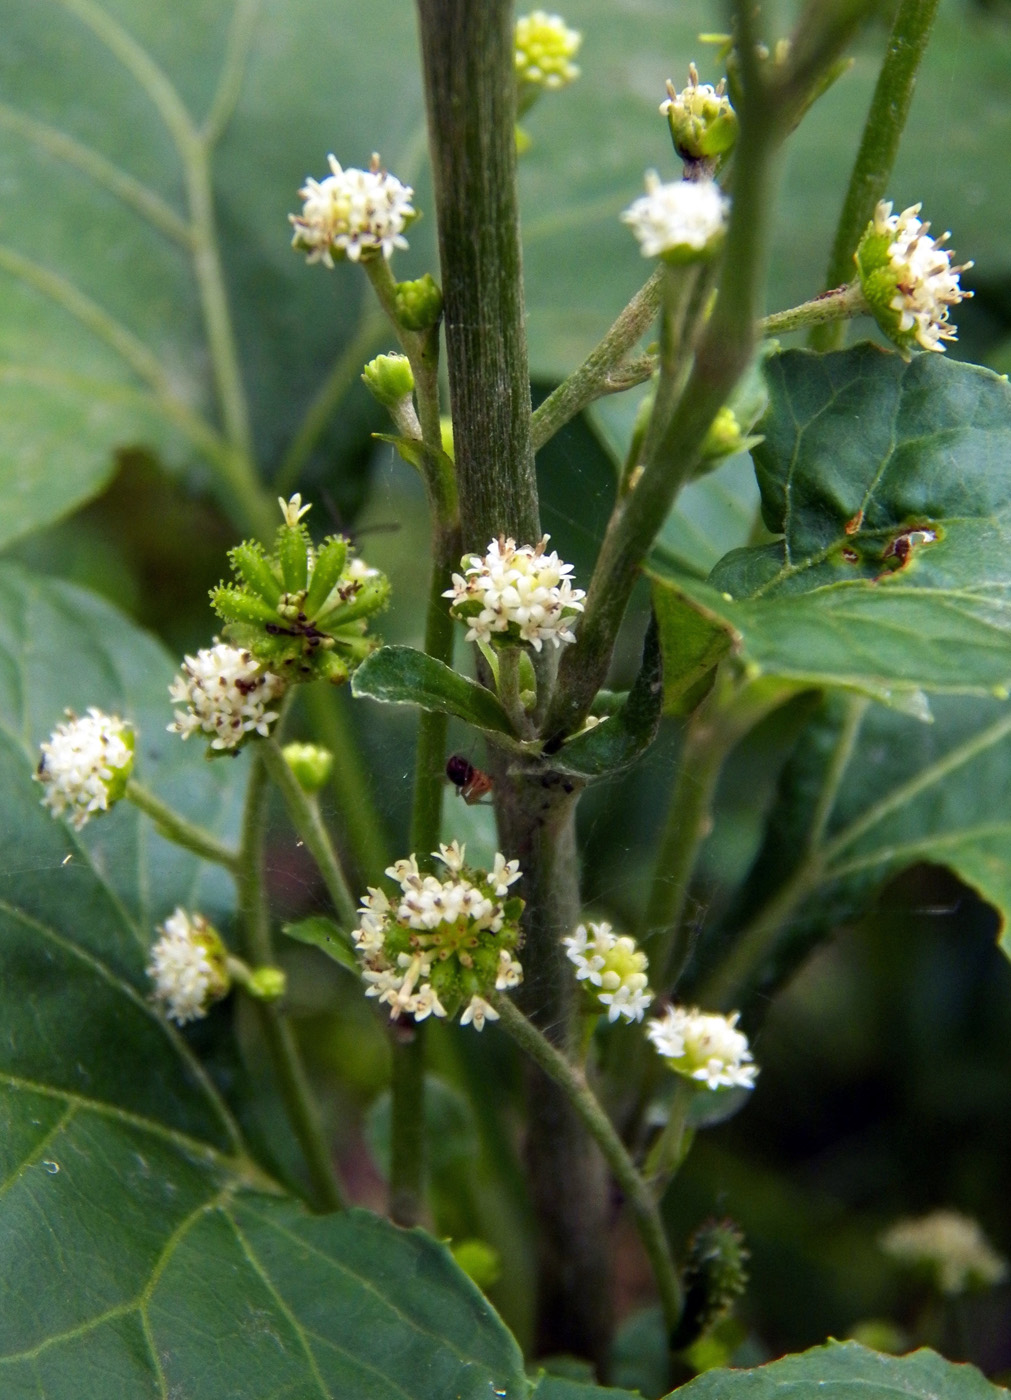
x: 451, y: 856
x: 477, y: 1012
x: 504, y: 873
x: 293, y: 509
x: 519, y: 590
x: 545, y: 47
x: 187, y: 967
x: 704, y: 1046
x: 951, y: 1244
x: 926, y: 284
x: 85, y: 764
x: 426, y: 1003
x: 226, y: 695
x: 683, y: 219
x: 510, y: 972
x: 352, y: 212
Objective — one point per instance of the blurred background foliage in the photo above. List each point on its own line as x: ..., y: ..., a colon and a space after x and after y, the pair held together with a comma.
x: 886, y: 1061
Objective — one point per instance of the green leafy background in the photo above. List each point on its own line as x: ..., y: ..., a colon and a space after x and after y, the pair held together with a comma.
x: 104, y: 371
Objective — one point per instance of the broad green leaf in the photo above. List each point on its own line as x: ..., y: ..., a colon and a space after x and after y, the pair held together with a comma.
x: 560, y: 1388
x: 404, y: 676
x: 845, y: 1371
x: 621, y: 738
x: 322, y: 933
x: 866, y: 794
x: 144, y: 1252
x: 891, y: 487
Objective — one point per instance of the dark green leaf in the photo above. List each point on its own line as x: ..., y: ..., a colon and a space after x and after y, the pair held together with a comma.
x: 144, y: 1252
x: 891, y: 485
x: 846, y: 1371
x: 404, y: 676
x: 620, y: 739
x: 322, y: 933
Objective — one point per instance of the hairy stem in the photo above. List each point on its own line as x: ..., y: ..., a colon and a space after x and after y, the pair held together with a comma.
x: 641, y: 1202
x: 593, y: 378
x: 274, y: 1025
x: 841, y: 304
x: 879, y: 145
x: 176, y: 828
x: 468, y: 59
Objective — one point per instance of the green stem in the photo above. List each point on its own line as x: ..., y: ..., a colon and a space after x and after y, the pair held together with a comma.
x: 879, y: 145
x: 671, y: 1147
x: 306, y: 819
x: 327, y: 398
x: 730, y: 711
x: 468, y: 59
x: 593, y: 378
x: 841, y: 304
x: 176, y: 828
x: 407, y: 1124
x: 578, y: 1093
x: 277, y: 1032
x: 365, y: 839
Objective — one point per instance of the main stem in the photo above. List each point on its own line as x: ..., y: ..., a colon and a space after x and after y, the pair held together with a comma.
x: 277, y: 1033
x: 468, y: 57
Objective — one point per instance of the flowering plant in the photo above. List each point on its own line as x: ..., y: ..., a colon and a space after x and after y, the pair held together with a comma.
x: 706, y: 626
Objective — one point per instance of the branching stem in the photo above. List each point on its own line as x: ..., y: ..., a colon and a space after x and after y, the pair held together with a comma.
x: 178, y: 829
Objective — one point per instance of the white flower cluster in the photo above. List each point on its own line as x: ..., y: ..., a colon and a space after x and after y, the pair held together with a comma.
x: 950, y: 1244
x: 685, y: 218
x: 517, y: 589
x: 352, y: 212
x: 926, y: 283
x: 226, y: 694
x: 545, y: 47
x: 705, y: 1046
x: 613, y: 966
x: 84, y: 762
x: 187, y: 967
x: 439, y: 935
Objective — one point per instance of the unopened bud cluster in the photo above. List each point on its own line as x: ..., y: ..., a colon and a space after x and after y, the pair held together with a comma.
x: 682, y: 221
x: 704, y: 1046
x: 908, y: 280
x: 702, y: 122
x: 85, y: 765
x: 715, y: 1276
x: 612, y: 970
x: 352, y: 214
x: 302, y: 610
x: 441, y: 945
x: 189, y: 967
x: 545, y: 48
x: 516, y: 593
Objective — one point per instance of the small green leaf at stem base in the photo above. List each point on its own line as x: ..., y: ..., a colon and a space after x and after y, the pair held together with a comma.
x: 400, y: 675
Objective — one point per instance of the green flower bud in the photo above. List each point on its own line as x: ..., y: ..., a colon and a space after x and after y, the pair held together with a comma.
x: 389, y: 379
x: 314, y: 629
x: 479, y: 1261
x: 702, y: 122
x: 266, y: 983
x: 419, y: 303
x: 311, y: 764
x: 715, y: 1276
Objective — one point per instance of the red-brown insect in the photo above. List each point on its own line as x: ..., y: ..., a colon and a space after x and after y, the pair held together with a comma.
x: 469, y: 781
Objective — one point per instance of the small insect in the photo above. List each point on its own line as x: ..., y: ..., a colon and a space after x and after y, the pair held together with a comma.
x: 469, y: 781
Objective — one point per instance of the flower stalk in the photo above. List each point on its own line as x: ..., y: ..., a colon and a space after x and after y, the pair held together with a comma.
x: 179, y: 830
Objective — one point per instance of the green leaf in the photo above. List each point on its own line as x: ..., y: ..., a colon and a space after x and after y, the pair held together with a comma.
x: 404, y: 676
x: 891, y: 486
x: 322, y: 933
x: 143, y: 1249
x: 845, y: 1371
x: 866, y: 794
x: 623, y: 737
